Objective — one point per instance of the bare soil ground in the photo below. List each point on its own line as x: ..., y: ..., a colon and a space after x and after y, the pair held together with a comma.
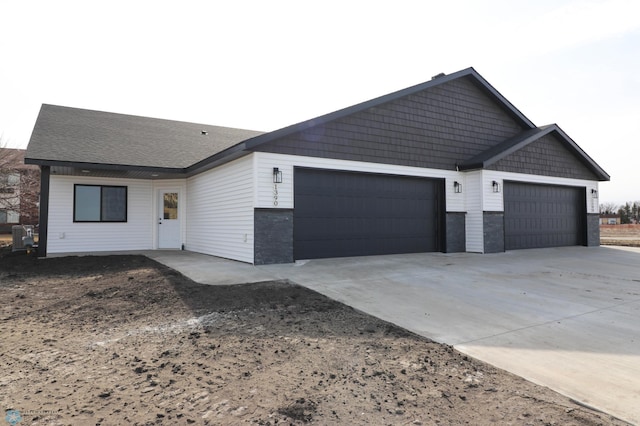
x: 123, y: 340
x: 620, y: 235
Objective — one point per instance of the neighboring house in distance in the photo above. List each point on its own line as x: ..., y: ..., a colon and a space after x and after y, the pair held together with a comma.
x: 610, y: 219
x: 449, y: 165
x: 19, y: 190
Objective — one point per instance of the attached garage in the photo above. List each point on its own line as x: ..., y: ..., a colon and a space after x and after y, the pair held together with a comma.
x: 338, y: 214
x: 537, y: 216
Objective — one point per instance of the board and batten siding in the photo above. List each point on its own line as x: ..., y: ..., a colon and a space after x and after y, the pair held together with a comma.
x: 220, y: 211
x: 65, y: 236
x: 265, y: 188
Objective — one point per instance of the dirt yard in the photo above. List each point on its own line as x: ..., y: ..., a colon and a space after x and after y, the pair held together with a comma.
x: 620, y: 235
x: 123, y: 340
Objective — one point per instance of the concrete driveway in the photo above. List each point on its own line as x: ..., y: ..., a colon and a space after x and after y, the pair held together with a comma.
x: 566, y: 318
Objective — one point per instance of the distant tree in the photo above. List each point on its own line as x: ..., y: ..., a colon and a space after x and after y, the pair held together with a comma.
x: 608, y: 208
x: 635, y: 212
x: 19, y: 187
x: 625, y: 213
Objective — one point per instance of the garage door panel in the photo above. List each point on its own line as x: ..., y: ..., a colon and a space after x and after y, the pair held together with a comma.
x: 351, y: 214
x: 543, y: 215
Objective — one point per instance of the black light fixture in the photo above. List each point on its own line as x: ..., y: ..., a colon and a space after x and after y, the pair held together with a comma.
x: 594, y: 193
x: 457, y: 187
x: 277, y: 175
x: 496, y: 186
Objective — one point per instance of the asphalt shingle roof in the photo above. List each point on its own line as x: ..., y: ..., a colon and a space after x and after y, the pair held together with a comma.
x: 76, y: 136
x: 85, y: 136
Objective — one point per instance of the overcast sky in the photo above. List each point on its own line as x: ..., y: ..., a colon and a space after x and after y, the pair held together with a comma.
x: 263, y: 65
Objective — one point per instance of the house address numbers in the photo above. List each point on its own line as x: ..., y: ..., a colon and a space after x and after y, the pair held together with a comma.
x: 275, y: 194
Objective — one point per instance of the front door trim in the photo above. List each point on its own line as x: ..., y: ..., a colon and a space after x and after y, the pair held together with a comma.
x: 169, y: 222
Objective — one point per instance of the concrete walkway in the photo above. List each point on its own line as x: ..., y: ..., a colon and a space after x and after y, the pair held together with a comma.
x: 566, y: 318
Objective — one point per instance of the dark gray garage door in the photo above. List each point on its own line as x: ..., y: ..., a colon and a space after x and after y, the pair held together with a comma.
x: 543, y: 216
x: 341, y: 214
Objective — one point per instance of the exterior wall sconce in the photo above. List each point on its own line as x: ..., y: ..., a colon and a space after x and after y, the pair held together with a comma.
x: 457, y: 187
x: 496, y: 186
x: 594, y: 193
x: 277, y: 175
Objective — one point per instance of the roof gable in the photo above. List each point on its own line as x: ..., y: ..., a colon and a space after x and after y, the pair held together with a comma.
x: 436, y: 127
x: 470, y: 73
x: 546, y: 150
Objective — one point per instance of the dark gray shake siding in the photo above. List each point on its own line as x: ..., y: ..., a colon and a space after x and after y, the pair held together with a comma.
x: 547, y: 157
x: 437, y: 128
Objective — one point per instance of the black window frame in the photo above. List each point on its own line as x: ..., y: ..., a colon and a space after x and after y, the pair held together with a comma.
x: 102, y: 220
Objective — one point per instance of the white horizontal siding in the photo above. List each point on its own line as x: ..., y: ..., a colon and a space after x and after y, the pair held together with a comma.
x: 265, y: 162
x: 65, y: 236
x: 474, y: 225
x: 220, y: 211
x: 492, y: 201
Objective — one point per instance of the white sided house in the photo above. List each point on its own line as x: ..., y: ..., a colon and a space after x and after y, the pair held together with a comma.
x: 449, y: 165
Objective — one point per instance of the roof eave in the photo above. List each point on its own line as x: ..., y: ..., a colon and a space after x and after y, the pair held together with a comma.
x: 484, y: 159
x: 102, y: 166
x: 232, y: 153
x: 470, y: 166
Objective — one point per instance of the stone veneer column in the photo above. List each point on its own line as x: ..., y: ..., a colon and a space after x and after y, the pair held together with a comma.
x: 273, y: 236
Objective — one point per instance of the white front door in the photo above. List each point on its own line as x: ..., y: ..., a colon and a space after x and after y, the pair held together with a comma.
x: 168, y: 220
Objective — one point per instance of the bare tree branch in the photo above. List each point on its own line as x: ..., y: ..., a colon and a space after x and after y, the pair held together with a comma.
x: 609, y: 208
x: 19, y: 187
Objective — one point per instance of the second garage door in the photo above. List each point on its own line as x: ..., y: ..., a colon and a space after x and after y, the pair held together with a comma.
x: 341, y: 214
x: 538, y: 216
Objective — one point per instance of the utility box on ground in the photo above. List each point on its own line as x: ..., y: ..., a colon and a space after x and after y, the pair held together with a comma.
x: 23, y: 237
